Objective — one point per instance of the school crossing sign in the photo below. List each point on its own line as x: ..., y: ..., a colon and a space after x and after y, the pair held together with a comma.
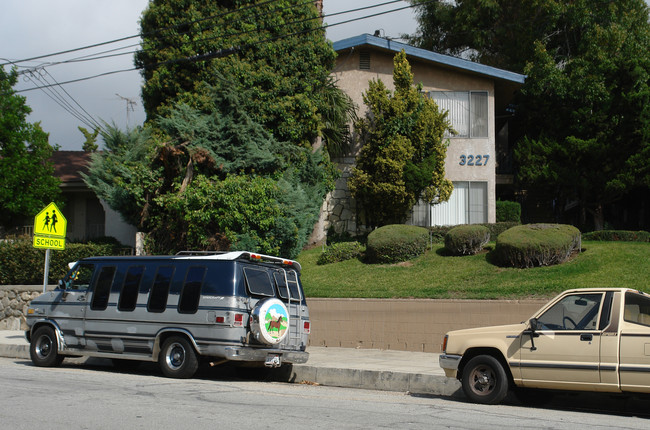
x: 49, y: 228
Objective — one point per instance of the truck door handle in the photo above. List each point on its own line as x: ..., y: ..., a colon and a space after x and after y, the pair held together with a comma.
x: 586, y: 337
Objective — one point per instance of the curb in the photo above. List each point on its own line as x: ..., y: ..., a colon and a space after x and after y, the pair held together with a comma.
x: 383, y: 380
x: 412, y: 383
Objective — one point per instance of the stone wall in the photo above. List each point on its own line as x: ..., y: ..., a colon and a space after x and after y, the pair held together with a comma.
x: 14, y: 300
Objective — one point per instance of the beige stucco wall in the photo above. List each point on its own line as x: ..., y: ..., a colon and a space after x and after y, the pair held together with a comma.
x: 354, y: 82
x: 406, y: 324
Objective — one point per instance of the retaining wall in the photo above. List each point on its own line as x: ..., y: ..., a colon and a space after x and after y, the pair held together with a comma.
x: 394, y: 324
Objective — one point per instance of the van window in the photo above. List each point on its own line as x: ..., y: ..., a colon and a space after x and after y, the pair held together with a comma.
x: 130, y: 289
x: 160, y: 289
x: 258, y: 281
x: 103, y: 288
x: 80, y: 278
x: 191, y: 293
x: 281, y: 283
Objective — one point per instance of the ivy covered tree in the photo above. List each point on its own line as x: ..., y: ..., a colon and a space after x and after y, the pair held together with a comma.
x: 275, y: 51
x: 27, y: 181
x: 213, y: 180
x: 403, y: 155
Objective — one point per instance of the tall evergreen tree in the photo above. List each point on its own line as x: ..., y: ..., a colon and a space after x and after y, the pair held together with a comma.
x: 275, y: 51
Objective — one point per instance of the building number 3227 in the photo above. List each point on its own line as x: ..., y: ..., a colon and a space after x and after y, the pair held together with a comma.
x: 474, y: 160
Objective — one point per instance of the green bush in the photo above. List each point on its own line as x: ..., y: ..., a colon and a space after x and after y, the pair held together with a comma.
x: 22, y: 264
x: 536, y: 245
x: 466, y: 239
x: 508, y: 211
x: 438, y: 232
x: 396, y: 242
x: 340, y: 251
x: 618, y: 235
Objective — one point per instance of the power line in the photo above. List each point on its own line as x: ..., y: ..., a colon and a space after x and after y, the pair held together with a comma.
x: 153, y: 33
x: 92, y: 57
x: 232, y: 50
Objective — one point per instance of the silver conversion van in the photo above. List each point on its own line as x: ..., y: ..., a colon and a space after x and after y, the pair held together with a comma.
x: 222, y: 307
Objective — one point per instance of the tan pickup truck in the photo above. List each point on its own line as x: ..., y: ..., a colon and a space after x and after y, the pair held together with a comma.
x: 584, y: 339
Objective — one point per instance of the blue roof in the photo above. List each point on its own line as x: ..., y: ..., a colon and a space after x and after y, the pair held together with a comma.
x: 445, y: 60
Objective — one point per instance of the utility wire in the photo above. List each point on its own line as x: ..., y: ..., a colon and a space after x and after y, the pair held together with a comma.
x: 232, y: 50
x: 153, y: 33
x: 98, y: 55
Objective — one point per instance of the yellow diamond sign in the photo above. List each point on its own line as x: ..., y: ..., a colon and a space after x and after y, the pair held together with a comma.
x: 49, y: 228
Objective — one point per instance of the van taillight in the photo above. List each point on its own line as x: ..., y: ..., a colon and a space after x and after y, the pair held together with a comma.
x: 307, y: 327
x: 221, y: 320
x: 239, y: 320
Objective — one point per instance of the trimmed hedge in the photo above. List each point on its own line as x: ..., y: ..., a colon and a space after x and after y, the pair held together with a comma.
x: 340, y: 251
x: 395, y: 243
x: 508, y: 211
x: 438, y: 232
x: 22, y: 264
x: 618, y: 235
x: 466, y: 239
x: 536, y: 245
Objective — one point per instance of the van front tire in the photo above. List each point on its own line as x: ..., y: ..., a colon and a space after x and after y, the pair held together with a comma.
x: 44, y: 348
x: 177, y: 358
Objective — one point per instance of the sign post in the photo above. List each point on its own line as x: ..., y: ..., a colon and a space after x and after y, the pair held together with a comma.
x: 49, y: 233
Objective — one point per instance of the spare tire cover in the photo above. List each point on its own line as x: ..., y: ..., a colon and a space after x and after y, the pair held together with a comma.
x: 270, y: 321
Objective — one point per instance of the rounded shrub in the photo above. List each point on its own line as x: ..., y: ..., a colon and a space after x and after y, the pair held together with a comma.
x: 340, y: 251
x: 396, y: 242
x: 466, y: 239
x: 536, y: 245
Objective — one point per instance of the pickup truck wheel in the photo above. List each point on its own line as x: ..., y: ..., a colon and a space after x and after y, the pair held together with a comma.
x: 177, y: 358
x: 44, y: 348
x: 484, y: 380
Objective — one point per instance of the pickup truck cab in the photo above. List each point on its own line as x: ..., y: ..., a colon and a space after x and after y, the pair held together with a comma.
x: 582, y: 340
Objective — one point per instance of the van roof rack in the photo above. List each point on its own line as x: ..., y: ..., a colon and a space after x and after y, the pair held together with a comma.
x: 201, y: 252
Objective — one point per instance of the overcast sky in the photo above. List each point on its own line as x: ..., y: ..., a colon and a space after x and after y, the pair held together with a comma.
x: 30, y: 28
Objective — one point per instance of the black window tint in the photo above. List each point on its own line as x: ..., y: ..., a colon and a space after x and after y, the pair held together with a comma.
x: 160, y: 289
x: 80, y: 277
x: 130, y: 288
x: 191, y: 293
x: 258, y: 281
x: 103, y: 289
x: 281, y: 282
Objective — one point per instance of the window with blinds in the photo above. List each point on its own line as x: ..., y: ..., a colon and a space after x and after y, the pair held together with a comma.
x: 467, y: 111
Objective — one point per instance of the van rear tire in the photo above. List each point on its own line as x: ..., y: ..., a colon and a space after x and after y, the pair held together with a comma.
x: 44, y: 348
x: 177, y: 358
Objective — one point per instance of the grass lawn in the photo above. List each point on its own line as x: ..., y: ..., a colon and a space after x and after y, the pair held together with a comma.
x: 434, y: 275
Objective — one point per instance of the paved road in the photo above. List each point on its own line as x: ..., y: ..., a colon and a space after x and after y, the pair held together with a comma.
x: 97, y: 397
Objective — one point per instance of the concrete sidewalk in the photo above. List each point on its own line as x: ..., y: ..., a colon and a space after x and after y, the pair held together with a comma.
x: 414, y: 372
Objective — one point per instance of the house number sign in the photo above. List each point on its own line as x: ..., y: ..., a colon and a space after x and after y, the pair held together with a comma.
x: 474, y: 160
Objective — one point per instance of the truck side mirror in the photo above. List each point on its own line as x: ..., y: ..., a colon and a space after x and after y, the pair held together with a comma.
x: 61, y: 284
x: 534, y: 325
